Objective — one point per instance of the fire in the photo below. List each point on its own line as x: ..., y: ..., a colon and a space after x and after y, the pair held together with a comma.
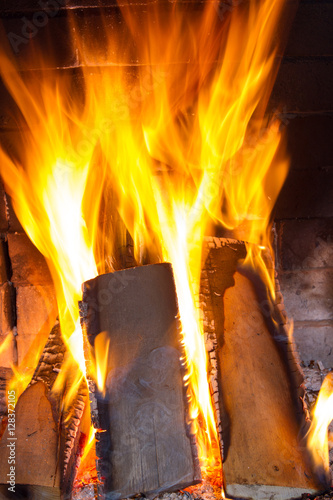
x: 47, y: 192
x: 101, y: 352
x: 322, y: 415
x: 175, y: 146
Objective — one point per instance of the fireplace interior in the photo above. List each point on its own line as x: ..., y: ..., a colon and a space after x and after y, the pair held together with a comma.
x: 267, y: 359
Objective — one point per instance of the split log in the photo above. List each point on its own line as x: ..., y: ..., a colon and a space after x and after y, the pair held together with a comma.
x: 34, y: 445
x: 5, y: 375
x: 260, y: 387
x: 47, y: 441
x: 145, y: 445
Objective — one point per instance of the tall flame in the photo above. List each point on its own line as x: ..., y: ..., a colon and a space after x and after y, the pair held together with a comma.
x: 48, y: 190
x: 175, y: 144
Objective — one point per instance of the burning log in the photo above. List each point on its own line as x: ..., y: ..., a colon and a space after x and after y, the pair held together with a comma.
x: 260, y: 386
x: 45, y: 445
x: 143, y: 443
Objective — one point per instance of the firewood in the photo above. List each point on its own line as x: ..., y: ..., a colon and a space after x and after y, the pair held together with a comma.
x: 145, y: 445
x: 30, y: 493
x: 34, y: 445
x: 46, y: 453
x: 259, y: 383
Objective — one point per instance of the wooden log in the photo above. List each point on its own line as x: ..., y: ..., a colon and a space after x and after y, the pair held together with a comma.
x: 31, y: 492
x: 47, y: 450
x: 69, y: 420
x: 32, y: 443
x: 147, y: 447
x: 260, y: 388
x: 5, y: 375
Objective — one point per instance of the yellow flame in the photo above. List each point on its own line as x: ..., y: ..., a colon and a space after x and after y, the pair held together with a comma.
x: 102, y: 345
x: 48, y: 191
x: 7, y: 344
x: 322, y: 416
x: 176, y: 146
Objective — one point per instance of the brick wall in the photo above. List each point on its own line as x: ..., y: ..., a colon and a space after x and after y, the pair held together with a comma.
x: 28, y: 305
x: 304, y: 211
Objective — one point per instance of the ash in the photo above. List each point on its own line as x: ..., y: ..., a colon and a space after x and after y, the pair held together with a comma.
x: 85, y: 493
x: 203, y: 491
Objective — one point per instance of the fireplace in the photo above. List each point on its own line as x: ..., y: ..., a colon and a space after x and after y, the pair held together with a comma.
x: 64, y: 35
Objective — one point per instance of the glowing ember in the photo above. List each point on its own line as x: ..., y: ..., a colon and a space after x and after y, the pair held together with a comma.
x: 181, y: 145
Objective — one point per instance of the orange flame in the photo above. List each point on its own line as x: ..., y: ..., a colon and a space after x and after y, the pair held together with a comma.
x: 179, y: 144
x: 48, y: 192
x: 317, y: 439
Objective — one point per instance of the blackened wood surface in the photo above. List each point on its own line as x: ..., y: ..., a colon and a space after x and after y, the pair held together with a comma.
x: 146, y: 447
x: 260, y: 423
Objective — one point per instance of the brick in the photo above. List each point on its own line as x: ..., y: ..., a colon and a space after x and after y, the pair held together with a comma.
x: 308, y: 294
x: 89, y: 22
x: 9, y: 109
x: 28, y: 264
x: 3, y: 211
x: 23, y: 6
x: 314, y: 341
x: 14, y: 225
x: 305, y: 244
x: 7, y: 307
x: 308, y: 140
x: 36, y: 313
x: 306, y: 193
x: 303, y: 85
x: 4, y: 271
x: 8, y: 220
x: 311, y: 32
x: 92, y: 26
x: 51, y: 39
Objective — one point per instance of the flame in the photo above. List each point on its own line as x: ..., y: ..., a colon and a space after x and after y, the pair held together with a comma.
x: 322, y: 416
x: 205, y: 153
x: 48, y: 191
x: 87, y: 468
x: 102, y: 346
x: 178, y: 145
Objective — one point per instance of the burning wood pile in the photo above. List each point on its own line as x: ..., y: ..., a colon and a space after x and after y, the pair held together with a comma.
x: 167, y: 357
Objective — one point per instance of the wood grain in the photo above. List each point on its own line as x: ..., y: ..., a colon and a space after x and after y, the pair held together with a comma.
x: 30, y: 492
x: 147, y: 447
x: 36, y: 443
x: 47, y: 435
x: 261, y: 425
